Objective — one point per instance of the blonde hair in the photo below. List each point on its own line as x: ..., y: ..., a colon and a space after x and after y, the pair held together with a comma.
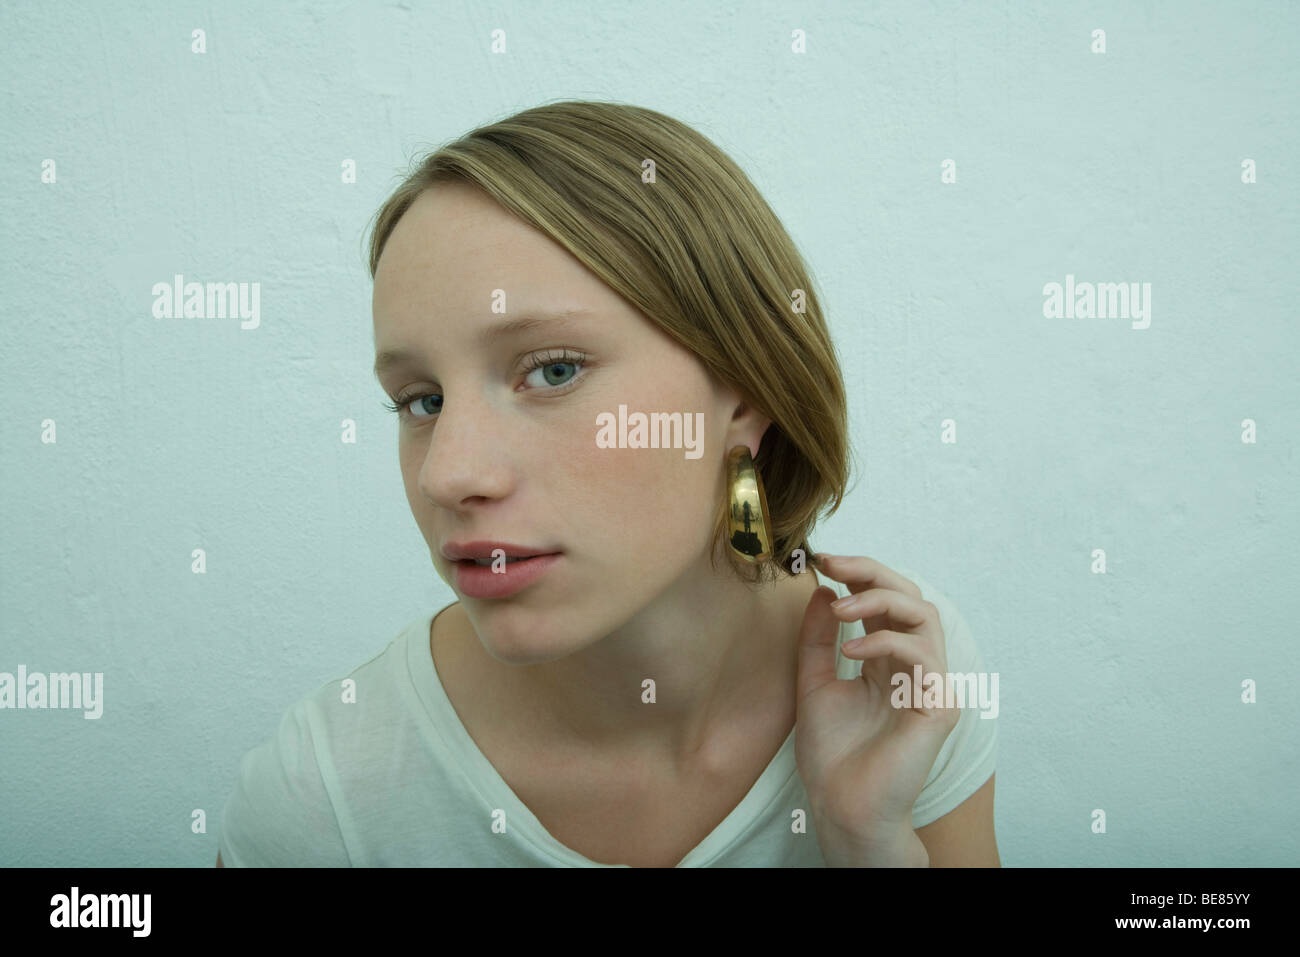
x: 699, y: 252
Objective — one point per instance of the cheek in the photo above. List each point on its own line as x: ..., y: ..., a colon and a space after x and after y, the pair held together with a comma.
x: 641, y: 501
x: 410, y: 457
x: 410, y: 460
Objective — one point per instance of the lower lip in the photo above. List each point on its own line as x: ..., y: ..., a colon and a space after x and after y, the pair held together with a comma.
x: 480, y: 581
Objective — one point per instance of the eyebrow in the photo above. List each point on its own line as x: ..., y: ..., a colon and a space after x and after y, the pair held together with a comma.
x: 486, y: 337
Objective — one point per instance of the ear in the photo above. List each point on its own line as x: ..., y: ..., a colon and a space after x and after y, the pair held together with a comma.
x: 747, y: 427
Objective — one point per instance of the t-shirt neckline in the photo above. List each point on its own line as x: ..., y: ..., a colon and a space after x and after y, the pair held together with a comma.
x: 497, y: 793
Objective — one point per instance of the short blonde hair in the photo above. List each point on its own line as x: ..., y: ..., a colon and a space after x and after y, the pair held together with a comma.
x: 699, y: 252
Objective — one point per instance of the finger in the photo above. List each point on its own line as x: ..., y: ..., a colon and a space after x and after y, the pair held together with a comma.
x: 894, y: 646
x: 876, y: 669
x: 881, y: 608
x: 901, y: 645
x: 905, y: 610
x: 860, y: 573
x: 817, y: 640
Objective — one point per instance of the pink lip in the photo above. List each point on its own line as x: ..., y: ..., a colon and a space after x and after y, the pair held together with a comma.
x: 481, y: 581
x: 458, y: 551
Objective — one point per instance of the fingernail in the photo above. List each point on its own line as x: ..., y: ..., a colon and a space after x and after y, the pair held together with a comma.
x: 843, y: 602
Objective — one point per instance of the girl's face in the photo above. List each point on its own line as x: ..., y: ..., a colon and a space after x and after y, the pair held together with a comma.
x: 498, y: 427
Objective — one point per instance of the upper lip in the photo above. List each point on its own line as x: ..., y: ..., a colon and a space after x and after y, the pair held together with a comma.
x: 459, y: 551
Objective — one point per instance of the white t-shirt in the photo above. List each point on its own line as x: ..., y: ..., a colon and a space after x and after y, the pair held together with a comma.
x: 394, y: 779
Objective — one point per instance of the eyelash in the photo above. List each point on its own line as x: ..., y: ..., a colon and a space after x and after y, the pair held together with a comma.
x: 539, y: 361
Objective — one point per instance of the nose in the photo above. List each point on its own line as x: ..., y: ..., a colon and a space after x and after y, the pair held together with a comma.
x: 469, y: 454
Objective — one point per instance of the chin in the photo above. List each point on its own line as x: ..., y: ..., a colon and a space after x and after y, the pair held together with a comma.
x: 527, y: 639
x: 531, y: 652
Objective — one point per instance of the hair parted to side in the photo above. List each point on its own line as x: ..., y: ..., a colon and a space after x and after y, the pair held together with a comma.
x: 699, y: 252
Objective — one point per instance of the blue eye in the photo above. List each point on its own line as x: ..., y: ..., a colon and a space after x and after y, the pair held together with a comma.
x: 550, y: 368
x: 403, y: 401
x: 552, y: 365
x: 423, y: 400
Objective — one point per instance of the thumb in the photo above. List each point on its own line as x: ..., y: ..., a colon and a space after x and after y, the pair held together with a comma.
x: 817, y: 643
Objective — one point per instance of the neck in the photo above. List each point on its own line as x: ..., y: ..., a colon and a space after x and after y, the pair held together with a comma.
x: 721, y: 654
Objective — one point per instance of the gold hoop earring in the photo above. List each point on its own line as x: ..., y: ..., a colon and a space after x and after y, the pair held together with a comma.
x: 750, y: 527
